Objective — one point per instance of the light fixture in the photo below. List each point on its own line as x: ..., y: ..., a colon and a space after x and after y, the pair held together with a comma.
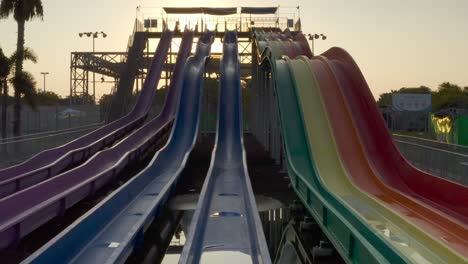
x: 94, y: 36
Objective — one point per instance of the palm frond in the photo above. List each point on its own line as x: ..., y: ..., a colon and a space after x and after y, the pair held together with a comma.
x: 26, y: 85
x: 5, y: 65
x: 29, y: 9
x: 22, y: 10
x: 28, y: 54
x: 7, y: 7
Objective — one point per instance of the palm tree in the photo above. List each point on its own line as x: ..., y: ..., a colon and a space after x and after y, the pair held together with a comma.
x: 28, y: 55
x: 5, y: 67
x: 22, y: 10
x: 25, y: 81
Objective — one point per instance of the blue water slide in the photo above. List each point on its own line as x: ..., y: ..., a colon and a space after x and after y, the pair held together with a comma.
x: 226, y: 223
x: 115, y: 227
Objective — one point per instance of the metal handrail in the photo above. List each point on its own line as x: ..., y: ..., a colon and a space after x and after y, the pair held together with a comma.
x: 432, y: 148
x: 50, y: 136
x: 48, y: 133
x: 432, y: 141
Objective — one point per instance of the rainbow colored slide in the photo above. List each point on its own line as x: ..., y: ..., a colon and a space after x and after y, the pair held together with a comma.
x: 372, y: 204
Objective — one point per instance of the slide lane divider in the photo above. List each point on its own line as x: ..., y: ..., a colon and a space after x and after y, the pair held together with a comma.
x: 26, y: 210
x: 118, y: 223
x: 226, y: 223
x: 355, y: 241
x: 51, y: 162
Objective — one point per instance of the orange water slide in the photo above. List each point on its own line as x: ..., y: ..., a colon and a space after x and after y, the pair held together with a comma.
x: 333, y: 77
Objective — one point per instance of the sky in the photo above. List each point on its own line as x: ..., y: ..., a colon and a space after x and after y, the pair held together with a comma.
x: 396, y: 43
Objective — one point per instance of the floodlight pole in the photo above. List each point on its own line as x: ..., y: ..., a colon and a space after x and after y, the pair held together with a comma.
x: 94, y: 36
x: 44, y: 75
x: 315, y: 36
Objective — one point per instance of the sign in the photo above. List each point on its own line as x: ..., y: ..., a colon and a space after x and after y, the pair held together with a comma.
x: 411, y: 102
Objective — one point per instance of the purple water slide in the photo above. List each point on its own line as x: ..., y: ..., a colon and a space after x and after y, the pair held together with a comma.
x: 104, y: 135
x: 226, y: 218
x: 28, y: 209
x: 123, y: 217
x: 54, y: 161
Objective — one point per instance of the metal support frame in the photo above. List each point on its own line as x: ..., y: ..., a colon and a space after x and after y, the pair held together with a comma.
x: 82, y: 63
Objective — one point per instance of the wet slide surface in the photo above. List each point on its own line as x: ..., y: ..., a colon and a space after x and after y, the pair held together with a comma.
x: 415, y: 244
x: 448, y: 197
x: 352, y: 237
x: 28, y: 209
x: 226, y: 223
x: 51, y: 162
x: 445, y: 237
x: 431, y: 220
x: 111, y: 231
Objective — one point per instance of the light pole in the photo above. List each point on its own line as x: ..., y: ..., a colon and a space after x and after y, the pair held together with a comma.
x: 44, y: 75
x: 315, y: 36
x: 94, y: 35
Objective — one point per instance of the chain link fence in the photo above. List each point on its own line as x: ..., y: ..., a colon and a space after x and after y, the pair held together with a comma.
x: 16, y: 150
x: 49, y: 118
x: 46, y: 127
x: 448, y: 161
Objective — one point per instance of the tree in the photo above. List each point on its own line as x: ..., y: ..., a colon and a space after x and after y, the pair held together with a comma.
x: 449, y: 95
x: 449, y: 88
x: 5, y: 67
x: 27, y: 86
x: 47, y: 98
x: 385, y: 99
x: 22, y: 10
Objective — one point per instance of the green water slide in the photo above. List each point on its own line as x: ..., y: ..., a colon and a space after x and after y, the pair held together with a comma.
x: 362, y: 228
x: 409, y: 239
x: 353, y: 238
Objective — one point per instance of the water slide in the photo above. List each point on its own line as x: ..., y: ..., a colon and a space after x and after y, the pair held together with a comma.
x: 353, y: 239
x: 402, y: 235
x: 371, y: 179
x: 51, y: 162
x: 380, y: 150
x: 24, y: 211
x: 283, y: 44
x: 370, y: 202
x: 115, y: 227
x: 408, y: 239
x: 226, y: 223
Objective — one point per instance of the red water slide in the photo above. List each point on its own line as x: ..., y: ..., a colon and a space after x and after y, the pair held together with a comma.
x: 382, y: 153
x: 333, y: 80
